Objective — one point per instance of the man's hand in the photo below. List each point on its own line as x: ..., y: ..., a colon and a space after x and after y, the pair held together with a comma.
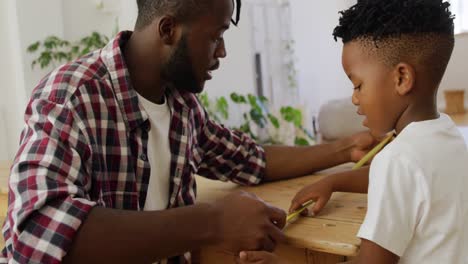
x: 248, y: 223
x: 361, y: 143
x: 320, y: 192
x: 259, y: 257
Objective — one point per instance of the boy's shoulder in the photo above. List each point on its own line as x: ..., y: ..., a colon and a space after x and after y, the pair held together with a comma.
x: 426, y: 150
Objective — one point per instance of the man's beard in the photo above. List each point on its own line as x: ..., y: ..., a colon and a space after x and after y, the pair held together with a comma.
x: 179, y: 69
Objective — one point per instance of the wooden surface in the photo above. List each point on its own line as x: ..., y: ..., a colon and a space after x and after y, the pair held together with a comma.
x: 460, y: 119
x: 291, y: 254
x: 333, y: 231
x: 4, y: 173
x: 3, y: 211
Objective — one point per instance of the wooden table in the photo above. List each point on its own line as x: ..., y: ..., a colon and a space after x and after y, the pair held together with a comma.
x: 460, y: 119
x: 4, y: 173
x: 329, y: 237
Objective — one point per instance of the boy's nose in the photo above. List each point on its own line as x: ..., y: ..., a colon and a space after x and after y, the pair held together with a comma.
x: 354, y: 99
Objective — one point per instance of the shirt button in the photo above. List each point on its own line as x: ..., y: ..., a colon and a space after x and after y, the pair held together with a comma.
x: 143, y: 157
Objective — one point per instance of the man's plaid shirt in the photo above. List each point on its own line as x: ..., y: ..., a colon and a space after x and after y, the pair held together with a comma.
x: 84, y: 144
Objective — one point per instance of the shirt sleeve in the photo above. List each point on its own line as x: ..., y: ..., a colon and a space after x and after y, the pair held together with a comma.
x: 395, y: 202
x: 47, y: 186
x: 230, y: 155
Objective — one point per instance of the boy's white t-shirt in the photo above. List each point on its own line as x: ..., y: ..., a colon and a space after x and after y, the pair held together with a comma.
x: 418, y: 195
x: 159, y: 154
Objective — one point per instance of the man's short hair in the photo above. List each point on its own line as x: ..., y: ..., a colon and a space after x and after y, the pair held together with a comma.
x: 184, y: 10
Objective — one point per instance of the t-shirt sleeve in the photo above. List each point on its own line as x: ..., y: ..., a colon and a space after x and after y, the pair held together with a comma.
x: 395, y: 201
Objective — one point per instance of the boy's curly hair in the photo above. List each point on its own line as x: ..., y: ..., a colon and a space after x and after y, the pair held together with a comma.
x: 419, y: 32
x: 380, y: 19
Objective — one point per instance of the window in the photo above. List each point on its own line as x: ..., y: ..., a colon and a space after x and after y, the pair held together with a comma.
x: 460, y: 9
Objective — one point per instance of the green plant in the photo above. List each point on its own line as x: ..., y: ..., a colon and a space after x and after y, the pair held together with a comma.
x: 217, y: 110
x: 257, y: 116
x: 54, y: 50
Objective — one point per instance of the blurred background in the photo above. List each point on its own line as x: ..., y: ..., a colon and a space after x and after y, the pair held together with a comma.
x: 282, y: 51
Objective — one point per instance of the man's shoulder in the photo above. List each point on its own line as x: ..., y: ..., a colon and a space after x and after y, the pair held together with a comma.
x: 60, y: 85
x: 190, y: 100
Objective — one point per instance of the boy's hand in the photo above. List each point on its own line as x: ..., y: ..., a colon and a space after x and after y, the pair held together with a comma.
x: 320, y: 192
x: 259, y: 257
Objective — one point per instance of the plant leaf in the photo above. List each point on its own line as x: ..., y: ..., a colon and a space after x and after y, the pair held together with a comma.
x: 298, y: 141
x: 222, y: 107
x: 274, y: 120
x: 33, y: 47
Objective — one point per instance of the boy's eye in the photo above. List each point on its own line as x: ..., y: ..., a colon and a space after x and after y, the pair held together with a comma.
x: 357, y: 88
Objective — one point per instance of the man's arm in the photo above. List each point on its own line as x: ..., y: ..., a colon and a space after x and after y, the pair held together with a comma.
x: 289, y: 162
x: 284, y: 162
x: 118, y: 236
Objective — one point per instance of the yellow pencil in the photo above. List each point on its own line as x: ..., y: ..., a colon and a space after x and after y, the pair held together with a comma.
x: 358, y: 165
x: 373, y: 152
x: 293, y: 215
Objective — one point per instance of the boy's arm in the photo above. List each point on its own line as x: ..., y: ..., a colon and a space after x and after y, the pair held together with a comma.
x: 373, y: 253
x: 355, y: 181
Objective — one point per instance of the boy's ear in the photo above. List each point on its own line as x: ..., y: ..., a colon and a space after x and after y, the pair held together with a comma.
x: 167, y: 30
x: 405, y: 77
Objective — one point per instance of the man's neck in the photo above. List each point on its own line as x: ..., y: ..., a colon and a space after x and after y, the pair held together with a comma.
x: 144, y: 67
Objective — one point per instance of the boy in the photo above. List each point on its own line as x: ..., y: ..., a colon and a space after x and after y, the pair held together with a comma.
x: 395, y: 54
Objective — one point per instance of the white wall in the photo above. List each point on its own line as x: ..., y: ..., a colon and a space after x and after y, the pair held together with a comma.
x: 127, y: 15
x: 456, y: 76
x: 80, y: 18
x: 31, y: 29
x: 320, y: 74
x: 20, y: 27
x: 18, y: 78
x: 9, y: 117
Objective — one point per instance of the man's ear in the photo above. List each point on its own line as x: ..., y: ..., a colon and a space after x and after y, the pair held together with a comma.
x: 167, y: 29
x: 405, y: 77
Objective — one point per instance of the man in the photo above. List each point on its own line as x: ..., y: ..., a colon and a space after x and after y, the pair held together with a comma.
x: 121, y: 131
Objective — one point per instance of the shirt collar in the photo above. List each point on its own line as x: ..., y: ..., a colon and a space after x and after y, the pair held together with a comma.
x: 127, y: 98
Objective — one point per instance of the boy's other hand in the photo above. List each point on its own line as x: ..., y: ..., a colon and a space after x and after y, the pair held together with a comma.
x: 259, y: 257
x: 320, y: 192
